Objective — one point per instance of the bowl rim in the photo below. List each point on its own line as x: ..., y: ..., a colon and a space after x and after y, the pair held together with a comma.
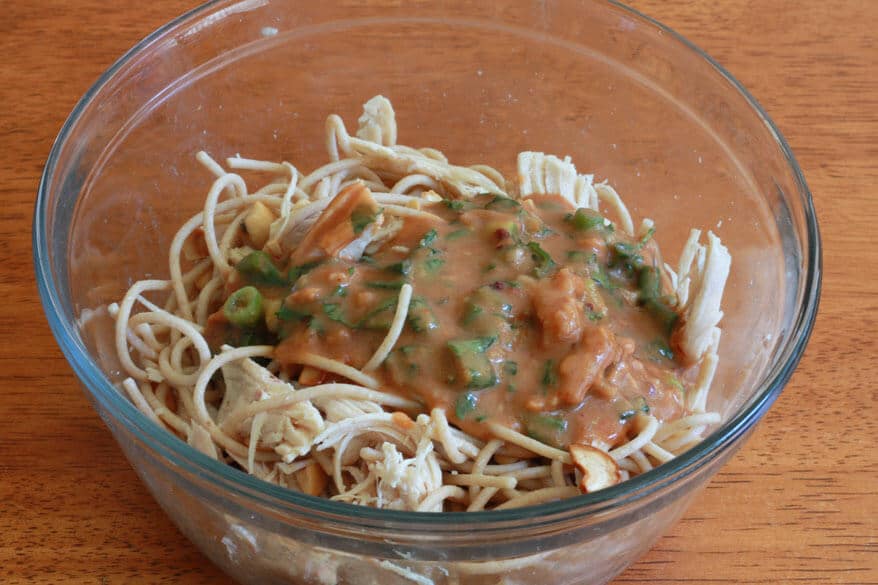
x: 233, y: 481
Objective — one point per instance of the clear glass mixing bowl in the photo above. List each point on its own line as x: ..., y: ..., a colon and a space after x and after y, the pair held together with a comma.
x: 627, y: 98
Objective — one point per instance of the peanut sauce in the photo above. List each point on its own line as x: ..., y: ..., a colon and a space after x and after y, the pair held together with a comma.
x: 531, y: 313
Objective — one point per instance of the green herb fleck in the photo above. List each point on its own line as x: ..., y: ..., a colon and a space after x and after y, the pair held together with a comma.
x: 257, y: 268
x: 544, y: 262
x: 334, y: 312
x: 585, y: 220
x: 661, y: 348
x: 420, y: 316
x: 499, y: 202
x: 362, y: 216
x: 637, y: 405
x: 465, y: 404
x: 433, y: 265
x: 550, y: 377
x: 403, y: 267
x: 428, y: 239
x: 553, y: 422
x: 455, y: 204
x: 244, y: 307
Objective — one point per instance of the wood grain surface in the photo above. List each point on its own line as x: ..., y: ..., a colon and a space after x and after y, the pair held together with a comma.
x: 798, y: 504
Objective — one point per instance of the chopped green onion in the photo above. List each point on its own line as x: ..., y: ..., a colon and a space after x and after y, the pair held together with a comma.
x: 244, y: 307
x: 585, y: 220
x: 257, y: 268
x: 649, y: 283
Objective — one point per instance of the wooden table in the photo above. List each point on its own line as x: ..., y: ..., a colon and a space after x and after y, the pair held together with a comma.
x: 798, y: 504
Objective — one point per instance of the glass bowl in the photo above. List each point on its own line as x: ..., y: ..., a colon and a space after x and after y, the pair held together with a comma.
x: 627, y: 98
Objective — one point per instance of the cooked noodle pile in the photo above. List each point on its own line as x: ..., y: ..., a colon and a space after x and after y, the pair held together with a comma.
x: 350, y: 439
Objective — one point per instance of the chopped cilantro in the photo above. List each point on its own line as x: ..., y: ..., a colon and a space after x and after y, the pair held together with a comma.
x: 465, y: 404
x: 550, y: 376
x: 544, y: 262
x: 361, y: 217
x: 637, y: 405
x: 500, y: 202
x: 428, y: 239
x: 334, y: 312
x: 433, y: 265
x: 455, y: 204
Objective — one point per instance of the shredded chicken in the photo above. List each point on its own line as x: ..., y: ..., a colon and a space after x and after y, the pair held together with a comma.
x: 403, y: 483
x: 290, y: 432
x: 540, y: 173
x: 701, y: 278
x: 200, y: 438
x: 378, y: 122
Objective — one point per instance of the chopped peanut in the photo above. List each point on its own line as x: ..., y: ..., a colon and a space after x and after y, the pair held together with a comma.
x: 402, y: 420
x: 310, y: 376
x: 195, y: 248
x: 258, y: 223
x: 312, y: 479
x: 271, y: 307
x: 598, y: 469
